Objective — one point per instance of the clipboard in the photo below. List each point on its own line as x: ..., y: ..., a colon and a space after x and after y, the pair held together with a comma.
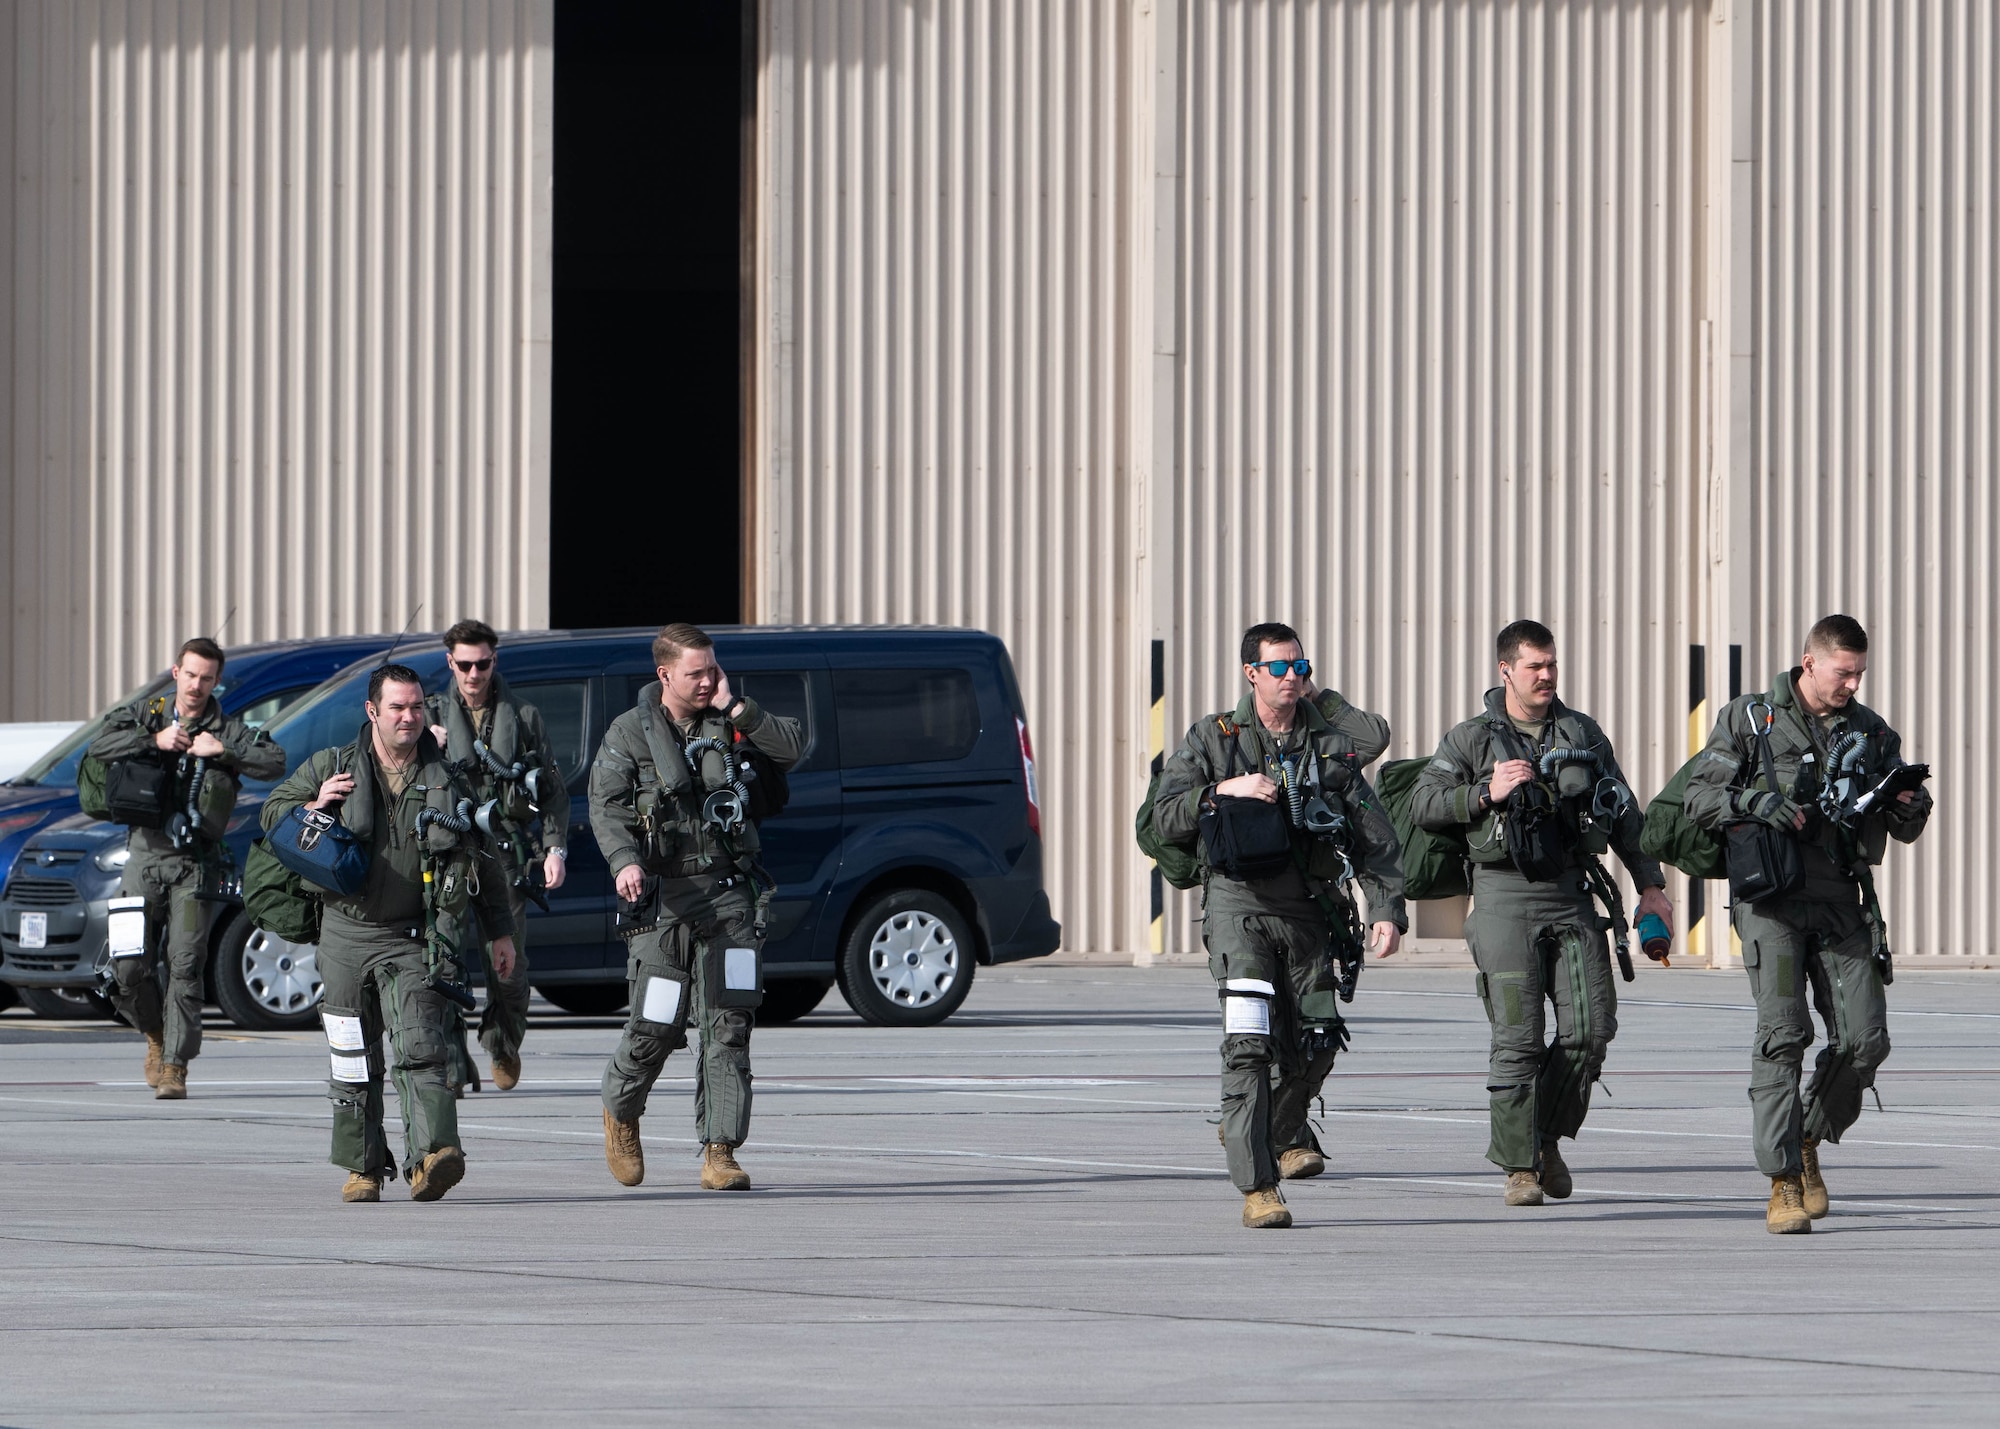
x: 1903, y: 778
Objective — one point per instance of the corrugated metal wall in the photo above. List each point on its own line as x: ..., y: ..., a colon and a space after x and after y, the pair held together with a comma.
x: 943, y: 368
x: 279, y: 322
x: 1872, y: 317
x: 1437, y: 282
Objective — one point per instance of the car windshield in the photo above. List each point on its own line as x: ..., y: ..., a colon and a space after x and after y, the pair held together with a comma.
x: 57, y: 768
x: 333, y: 713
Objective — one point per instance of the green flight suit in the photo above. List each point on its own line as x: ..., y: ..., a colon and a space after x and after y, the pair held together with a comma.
x: 1534, y: 942
x: 1819, y: 936
x: 514, y: 733
x: 707, y: 912
x: 171, y: 879
x: 1269, y: 940
x: 372, y: 953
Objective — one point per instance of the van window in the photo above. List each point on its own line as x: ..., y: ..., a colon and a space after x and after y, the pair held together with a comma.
x: 904, y: 716
x: 265, y: 710
x: 334, y: 713
x: 562, y: 708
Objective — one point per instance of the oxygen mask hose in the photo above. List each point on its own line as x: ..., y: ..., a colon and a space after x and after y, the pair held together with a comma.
x: 505, y: 771
x: 459, y: 822
x: 1294, y: 797
x: 725, y: 809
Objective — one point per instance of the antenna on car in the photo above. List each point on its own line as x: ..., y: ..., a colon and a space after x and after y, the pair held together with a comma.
x: 217, y: 637
x: 406, y: 630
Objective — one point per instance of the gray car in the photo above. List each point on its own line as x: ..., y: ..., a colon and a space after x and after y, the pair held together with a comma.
x: 55, y: 945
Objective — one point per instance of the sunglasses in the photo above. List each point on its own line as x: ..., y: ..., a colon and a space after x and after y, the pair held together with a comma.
x: 1281, y: 668
x: 466, y: 667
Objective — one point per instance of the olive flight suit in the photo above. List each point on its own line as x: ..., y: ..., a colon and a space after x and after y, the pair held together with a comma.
x: 514, y: 734
x: 1535, y: 941
x: 171, y: 878
x: 1819, y: 935
x: 373, y: 956
x: 695, y: 940
x: 1270, y: 942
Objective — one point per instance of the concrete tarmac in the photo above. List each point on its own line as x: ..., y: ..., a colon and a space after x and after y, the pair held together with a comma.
x: 1017, y: 1218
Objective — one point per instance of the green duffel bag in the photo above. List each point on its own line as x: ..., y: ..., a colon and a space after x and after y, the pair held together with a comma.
x: 1178, y: 864
x: 1671, y: 837
x: 277, y: 899
x: 1435, y: 865
x: 90, y: 787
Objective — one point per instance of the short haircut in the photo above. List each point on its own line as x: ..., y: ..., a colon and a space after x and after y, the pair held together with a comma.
x: 471, y: 632
x: 386, y: 674
x: 1837, y: 632
x: 1268, y: 632
x: 1507, y: 644
x: 674, y: 640
x: 208, y: 650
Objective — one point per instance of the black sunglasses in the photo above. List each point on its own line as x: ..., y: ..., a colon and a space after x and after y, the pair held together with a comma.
x: 466, y: 667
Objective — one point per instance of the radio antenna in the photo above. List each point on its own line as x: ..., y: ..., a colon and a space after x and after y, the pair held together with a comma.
x: 217, y: 637
x: 406, y: 630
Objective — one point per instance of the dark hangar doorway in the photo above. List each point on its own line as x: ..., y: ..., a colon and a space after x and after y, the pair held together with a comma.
x: 645, y: 435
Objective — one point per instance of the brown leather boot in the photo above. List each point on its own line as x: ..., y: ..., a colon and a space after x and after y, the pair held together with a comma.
x: 506, y: 1072
x: 719, y: 1171
x: 1786, y: 1215
x: 1524, y: 1188
x: 1556, y: 1181
x: 622, y: 1152
x: 1812, y: 1189
x: 156, y: 1056
x: 173, y: 1085
x: 1300, y: 1163
x: 437, y: 1173
x: 1264, y: 1209
x: 361, y: 1188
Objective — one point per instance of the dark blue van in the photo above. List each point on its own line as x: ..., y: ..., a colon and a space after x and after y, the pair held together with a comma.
x: 258, y: 681
x: 909, y: 853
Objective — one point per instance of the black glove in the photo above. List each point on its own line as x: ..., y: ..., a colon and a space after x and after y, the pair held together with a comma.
x: 1769, y: 808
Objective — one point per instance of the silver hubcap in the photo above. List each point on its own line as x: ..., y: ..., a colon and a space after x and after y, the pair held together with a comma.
x: 913, y: 959
x: 282, y: 976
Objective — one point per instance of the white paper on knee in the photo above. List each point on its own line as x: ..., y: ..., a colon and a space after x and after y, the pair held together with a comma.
x: 1250, y: 1016
x: 127, y: 927
x: 662, y: 1002
x: 343, y: 1032
x: 739, y: 969
x: 350, y: 1069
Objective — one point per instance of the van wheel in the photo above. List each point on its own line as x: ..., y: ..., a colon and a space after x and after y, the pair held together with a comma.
x: 63, y: 1003
x: 908, y: 962
x: 264, y: 983
x: 788, y: 999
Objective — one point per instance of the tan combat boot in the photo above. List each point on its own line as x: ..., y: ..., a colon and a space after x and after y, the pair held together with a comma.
x: 361, y: 1188
x: 719, y: 1171
x: 1786, y: 1215
x: 1812, y: 1189
x: 1524, y: 1188
x: 1300, y: 1163
x: 506, y: 1073
x: 156, y: 1056
x: 437, y: 1173
x: 1556, y: 1180
x: 1264, y: 1209
x: 173, y: 1086
x: 622, y: 1152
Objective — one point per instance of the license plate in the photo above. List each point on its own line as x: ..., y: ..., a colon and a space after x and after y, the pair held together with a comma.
x: 34, y: 930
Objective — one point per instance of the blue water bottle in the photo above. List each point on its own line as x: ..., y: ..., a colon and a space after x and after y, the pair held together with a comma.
x: 1654, y: 938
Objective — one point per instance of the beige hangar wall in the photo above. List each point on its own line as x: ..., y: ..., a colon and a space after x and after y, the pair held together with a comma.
x: 1095, y: 324
x: 276, y: 312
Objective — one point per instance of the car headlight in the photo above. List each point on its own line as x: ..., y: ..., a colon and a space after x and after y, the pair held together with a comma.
x: 112, y: 857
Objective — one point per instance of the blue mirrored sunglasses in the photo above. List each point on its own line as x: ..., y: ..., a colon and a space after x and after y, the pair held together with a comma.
x: 1280, y: 668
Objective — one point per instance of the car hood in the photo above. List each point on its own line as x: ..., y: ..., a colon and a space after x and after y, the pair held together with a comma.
x: 78, y: 831
x: 20, y: 798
